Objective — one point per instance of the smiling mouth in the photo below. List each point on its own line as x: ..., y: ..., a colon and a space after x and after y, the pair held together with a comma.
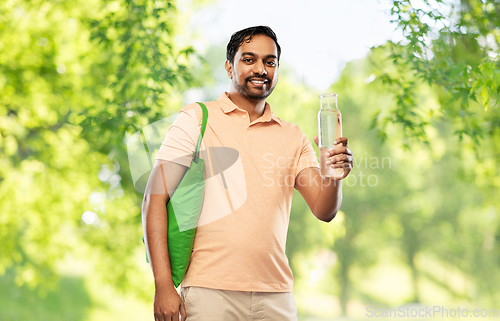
x: 259, y: 82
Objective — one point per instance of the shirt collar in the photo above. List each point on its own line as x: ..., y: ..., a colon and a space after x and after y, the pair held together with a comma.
x: 228, y: 106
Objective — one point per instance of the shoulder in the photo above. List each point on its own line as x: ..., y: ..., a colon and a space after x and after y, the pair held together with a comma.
x: 194, y: 110
x: 295, y: 136
x: 291, y: 128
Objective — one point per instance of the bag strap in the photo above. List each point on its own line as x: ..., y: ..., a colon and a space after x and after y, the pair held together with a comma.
x: 202, y: 132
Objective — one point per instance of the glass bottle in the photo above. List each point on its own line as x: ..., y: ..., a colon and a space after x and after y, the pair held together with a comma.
x: 329, y: 129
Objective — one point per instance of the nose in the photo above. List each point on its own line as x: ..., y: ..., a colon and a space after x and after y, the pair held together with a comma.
x: 259, y: 68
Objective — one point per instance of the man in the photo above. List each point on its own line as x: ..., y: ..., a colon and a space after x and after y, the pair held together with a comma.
x: 238, y: 269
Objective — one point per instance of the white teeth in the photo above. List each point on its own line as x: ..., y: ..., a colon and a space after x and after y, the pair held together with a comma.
x: 257, y: 82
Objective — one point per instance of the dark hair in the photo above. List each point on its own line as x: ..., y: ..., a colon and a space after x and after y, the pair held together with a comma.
x: 246, y: 35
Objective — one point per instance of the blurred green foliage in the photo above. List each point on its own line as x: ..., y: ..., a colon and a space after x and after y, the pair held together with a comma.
x: 453, y: 47
x: 69, y: 301
x: 444, y: 79
x: 76, y: 78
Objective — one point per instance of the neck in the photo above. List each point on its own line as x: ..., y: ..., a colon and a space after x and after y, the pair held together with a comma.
x: 254, y: 107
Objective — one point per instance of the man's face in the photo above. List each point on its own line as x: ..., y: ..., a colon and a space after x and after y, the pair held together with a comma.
x: 254, y: 72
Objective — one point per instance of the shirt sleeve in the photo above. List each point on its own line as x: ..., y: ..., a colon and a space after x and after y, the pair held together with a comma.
x: 307, y: 157
x: 181, y: 138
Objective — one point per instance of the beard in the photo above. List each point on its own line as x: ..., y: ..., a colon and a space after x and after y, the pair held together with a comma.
x: 254, y: 94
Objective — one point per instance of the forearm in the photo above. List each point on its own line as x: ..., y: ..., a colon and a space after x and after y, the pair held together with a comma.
x: 324, y: 195
x: 329, y: 199
x: 155, y: 224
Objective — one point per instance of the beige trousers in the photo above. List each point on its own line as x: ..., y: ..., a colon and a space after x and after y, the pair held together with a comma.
x: 204, y: 304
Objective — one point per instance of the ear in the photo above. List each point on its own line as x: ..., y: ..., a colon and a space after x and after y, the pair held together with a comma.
x: 229, y: 69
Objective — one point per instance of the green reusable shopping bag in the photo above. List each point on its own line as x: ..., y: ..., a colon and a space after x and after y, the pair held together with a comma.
x: 184, y: 209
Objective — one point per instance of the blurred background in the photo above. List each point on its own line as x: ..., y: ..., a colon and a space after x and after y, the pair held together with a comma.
x: 418, y: 84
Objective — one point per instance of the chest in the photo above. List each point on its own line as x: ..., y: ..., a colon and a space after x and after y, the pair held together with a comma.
x: 268, y: 151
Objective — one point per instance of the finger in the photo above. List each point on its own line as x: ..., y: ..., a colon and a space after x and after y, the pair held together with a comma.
x: 341, y: 140
x: 183, y: 311
x: 345, y: 150
x: 175, y: 316
x: 338, y: 150
x: 316, y: 140
x: 165, y: 317
x: 341, y: 165
x: 160, y: 317
x: 339, y: 158
x: 345, y: 166
x: 346, y: 172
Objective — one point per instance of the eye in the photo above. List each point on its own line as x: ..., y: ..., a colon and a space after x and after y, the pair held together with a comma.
x: 247, y: 59
x: 271, y: 63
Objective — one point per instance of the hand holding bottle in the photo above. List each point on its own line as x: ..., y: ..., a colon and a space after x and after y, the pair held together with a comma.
x: 335, y: 158
x: 339, y: 158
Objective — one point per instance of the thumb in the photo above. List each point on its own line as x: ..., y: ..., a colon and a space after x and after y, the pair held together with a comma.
x: 316, y: 140
x: 183, y: 311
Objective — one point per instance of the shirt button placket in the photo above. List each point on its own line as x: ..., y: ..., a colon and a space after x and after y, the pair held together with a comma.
x: 244, y: 117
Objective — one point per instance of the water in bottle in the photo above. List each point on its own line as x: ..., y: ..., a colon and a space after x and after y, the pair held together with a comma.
x: 329, y: 129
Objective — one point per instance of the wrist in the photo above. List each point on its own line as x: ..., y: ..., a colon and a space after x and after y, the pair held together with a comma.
x: 332, y: 181
x: 164, y: 284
